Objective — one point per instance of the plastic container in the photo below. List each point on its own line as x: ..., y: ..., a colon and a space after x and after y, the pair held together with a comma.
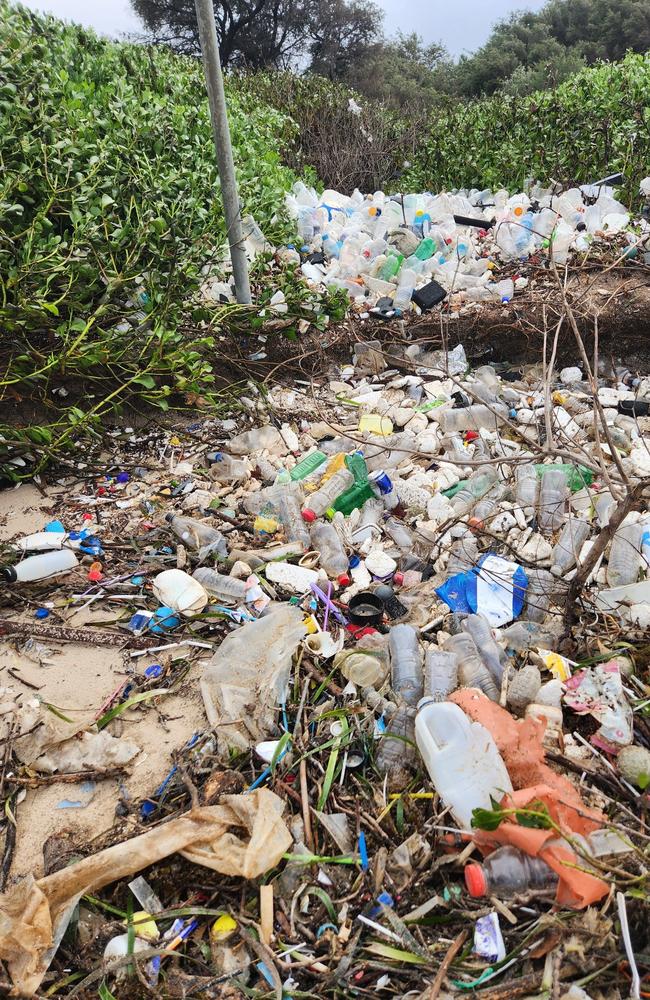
x: 369, y: 520
x: 326, y: 540
x: 327, y: 494
x: 197, y: 534
x: 462, y: 760
x: 296, y: 578
x: 463, y: 555
x: 539, y: 593
x: 527, y: 486
x: 553, y: 492
x: 399, y: 533
x: 440, y: 674
x: 474, y: 418
x: 406, y: 664
x: 480, y: 630
x: 226, y: 469
x: 45, y: 541
x: 509, y: 872
x: 353, y: 498
x: 308, y: 465
x: 227, y: 588
x: 287, y: 501
x: 396, y: 754
x: 478, y: 484
x: 40, y: 567
x: 472, y: 672
x: 625, y: 558
x: 490, y: 505
x: 567, y: 548
x: 178, y: 590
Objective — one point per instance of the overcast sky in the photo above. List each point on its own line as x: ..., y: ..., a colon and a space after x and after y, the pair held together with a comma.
x: 462, y: 26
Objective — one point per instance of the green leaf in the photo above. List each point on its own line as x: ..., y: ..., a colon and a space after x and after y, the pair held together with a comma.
x: 104, y: 993
x: 123, y: 706
x: 394, y: 954
x: 107, y: 200
x: 487, y: 819
x: 146, y: 380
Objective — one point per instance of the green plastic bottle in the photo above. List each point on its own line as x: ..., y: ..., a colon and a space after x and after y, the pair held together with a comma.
x: 426, y: 249
x: 356, y: 463
x: 353, y: 498
x: 307, y: 465
x: 391, y: 266
x: 577, y: 476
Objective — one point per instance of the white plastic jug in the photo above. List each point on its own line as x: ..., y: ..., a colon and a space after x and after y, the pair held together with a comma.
x: 178, y: 590
x: 462, y: 760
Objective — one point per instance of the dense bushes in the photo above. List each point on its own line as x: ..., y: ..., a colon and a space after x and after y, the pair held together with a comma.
x: 595, y: 124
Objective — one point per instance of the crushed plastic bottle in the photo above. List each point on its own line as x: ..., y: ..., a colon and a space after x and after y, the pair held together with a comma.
x: 509, y: 872
x: 472, y: 672
x: 406, y: 664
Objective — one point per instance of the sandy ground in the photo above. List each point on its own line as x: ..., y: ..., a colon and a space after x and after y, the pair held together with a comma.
x: 79, y: 680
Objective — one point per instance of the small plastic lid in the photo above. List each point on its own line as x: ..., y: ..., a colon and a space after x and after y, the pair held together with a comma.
x: 169, y: 518
x: 354, y: 562
x: 308, y: 515
x: 9, y: 574
x: 475, y: 880
x: 344, y: 580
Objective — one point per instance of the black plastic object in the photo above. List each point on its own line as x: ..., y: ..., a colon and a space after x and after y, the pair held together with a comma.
x: 429, y: 295
x: 634, y: 407
x: 366, y: 609
x: 460, y: 400
x: 511, y: 376
x: 464, y: 220
x: 316, y: 258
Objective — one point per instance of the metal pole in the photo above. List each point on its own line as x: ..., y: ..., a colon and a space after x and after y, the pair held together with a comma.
x: 221, y: 133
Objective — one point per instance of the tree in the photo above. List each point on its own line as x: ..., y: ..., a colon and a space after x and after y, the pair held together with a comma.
x: 401, y: 72
x: 259, y: 34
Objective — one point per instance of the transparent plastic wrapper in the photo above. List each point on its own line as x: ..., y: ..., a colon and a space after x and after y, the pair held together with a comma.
x: 598, y: 691
x: 243, y: 836
x: 245, y: 682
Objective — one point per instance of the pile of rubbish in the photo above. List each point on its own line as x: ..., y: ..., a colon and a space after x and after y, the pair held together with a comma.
x: 401, y: 253
x: 416, y: 600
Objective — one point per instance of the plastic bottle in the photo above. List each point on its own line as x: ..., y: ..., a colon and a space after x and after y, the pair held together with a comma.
x: 462, y: 760
x: 399, y: 533
x: 40, y: 567
x: 352, y: 499
x: 567, y: 548
x: 368, y: 524
x: 226, y: 469
x: 177, y: 590
x: 538, y: 594
x: 478, y: 627
x: 405, y: 288
x: 473, y: 418
x: 197, y: 534
x: 406, y: 664
x: 527, y: 486
x: 440, y: 674
x: 327, y: 494
x: 44, y: 541
x: 306, y: 224
x: 489, y: 506
x: 227, y: 588
x: 426, y: 249
x: 326, y: 540
x: 266, y: 438
x: 524, y: 687
x: 308, y: 465
x: 287, y: 500
x: 472, y: 672
x: 509, y: 872
x: 553, y: 492
x: 463, y: 556
x: 478, y: 484
x: 396, y: 754
x: 625, y: 557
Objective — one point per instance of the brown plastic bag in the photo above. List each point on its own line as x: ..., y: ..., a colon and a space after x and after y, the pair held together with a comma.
x: 244, y: 835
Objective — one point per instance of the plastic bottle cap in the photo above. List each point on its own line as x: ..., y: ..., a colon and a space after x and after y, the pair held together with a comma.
x: 9, y: 574
x: 475, y: 880
x: 471, y: 435
x: 354, y: 562
x: 398, y: 579
x: 308, y: 515
x: 344, y: 580
x: 41, y: 613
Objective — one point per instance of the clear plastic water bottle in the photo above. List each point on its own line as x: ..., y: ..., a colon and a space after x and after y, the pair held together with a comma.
x: 567, y: 548
x: 405, y: 289
x: 399, y: 533
x: 440, y: 673
x: 326, y: 540
x: 197, y: 534
x: 478, y: 484
x: 306, y: 224
x: 287, y: 500
x: 538, y: 594
x: 368, y: 525
x: 481, y: 632
x: 463, y: 555
x: 490, y: 505
x: 227, y: 588
x: 509, y: 872
x: 472, y: 672
x: 524, y: 687
x: 325, y: 495
x: 527, y: 486
x: 396, y: 754
x: 625, y: 557
x: 553, y: 492
x: 406, y: 664
x: 473, y: 417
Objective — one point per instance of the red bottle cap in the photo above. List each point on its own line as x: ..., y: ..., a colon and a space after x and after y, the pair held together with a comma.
x: 398, y: 579
x: 308, y: 515
x: 344, y: 580
x: 475, y: 880
x: 471, y: 435
x: 475, y: 524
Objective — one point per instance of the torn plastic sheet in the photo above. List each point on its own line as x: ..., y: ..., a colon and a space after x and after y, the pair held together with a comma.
x: 496, y: 588
x: 34, y: 913
x: 598, y: 691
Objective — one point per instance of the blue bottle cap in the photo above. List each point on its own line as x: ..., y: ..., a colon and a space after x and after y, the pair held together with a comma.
x: 41, y: 613
x: 155, y: 670
x: 354, y: 562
